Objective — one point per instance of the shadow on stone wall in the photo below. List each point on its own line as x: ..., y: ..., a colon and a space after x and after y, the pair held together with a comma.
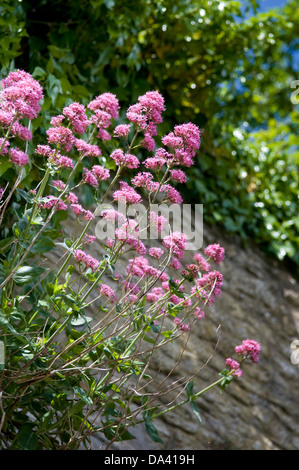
x: 260, y: 411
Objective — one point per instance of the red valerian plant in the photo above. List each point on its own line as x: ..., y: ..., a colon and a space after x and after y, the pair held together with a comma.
x: 65, y: 375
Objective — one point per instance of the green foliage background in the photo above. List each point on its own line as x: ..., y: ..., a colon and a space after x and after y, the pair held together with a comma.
x: 224, y: 67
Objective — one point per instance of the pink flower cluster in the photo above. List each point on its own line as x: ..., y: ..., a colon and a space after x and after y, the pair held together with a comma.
x: 76, y: 115
x: 146, y: 114
x: 176, y: 243
x: 108, y: 292
x: 183, y: 143
x: 20, y: 96
x: 156, y: 252
x: 18, y: 157
x: 62, y: 137
x: 54, y: 157
x: 79, y: 210
x: 129, y: 234
x: 216, y: 252
x: 250, y: 349
x: 105, y: 108
x: 52, y: 201
x: 86, y: 149
x: 142, y: 180
x: 208, y: 286
x: 124, y: 159
x: 234, y: 366
x: 94, y: 176
x: 122, y: 130
x: 126, y: 194
x: 88, y: 260
x: 181, y: 326
x: 157, y: 222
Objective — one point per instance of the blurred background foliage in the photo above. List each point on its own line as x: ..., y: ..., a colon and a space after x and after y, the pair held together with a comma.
x: 227, y: 66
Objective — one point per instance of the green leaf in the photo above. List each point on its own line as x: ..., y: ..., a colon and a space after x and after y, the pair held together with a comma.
x: 27, y: 274
x: 227, y: 378
x: 5, y: 244
x: 152, y: 431
x: 195, y: 410
x: 82, y: 394
x: 81, y: 320
x: 26, y: 439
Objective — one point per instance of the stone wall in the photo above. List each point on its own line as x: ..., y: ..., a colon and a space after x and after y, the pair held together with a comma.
x: 259, y: 411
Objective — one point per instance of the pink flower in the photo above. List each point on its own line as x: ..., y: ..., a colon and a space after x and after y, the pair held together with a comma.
x: 122, y: 130
x: 178, y: 175
x: 190, y: 272
x: 45, y: 151
x: 171, y: 194
x: 190, y: 135
x: 88, y: 215
x: 202, y: 262
x: 212, y: 281
x: 199, y: 313
x: 154, y: 163
x: 56, y: 121
x: 88, y: 238
x: 101, y: 119
x: 170, y: 140
x: 176, y: 243
x: 103, y: 135
x: 88, y: 260
x: 126, y: 159
x: 148, y: 143
x: 142, y: 180
x: 155, y: 294
x: 53, y: 201
x: 108, y: 292
x: 21, y: 94
x: 77, y: 209
x: 235, y: 366
x: 72, y: 198
x: 216, y: 252
x: 249, y: 348
x: 101, y: 173
x: 5, y: 146
x: 109, y: 242
x: 6, y: 117
x: 58, y: 184
x: 175, y: 264
x: 18, y: 130
x: 106, y: 102
x: 157, y: 222
x: 18, y: 157
x: 90, y: 178
x: 80, y: 255
x: 61, y: 136
x: 126, y: 194
x: 112, y: 215
x: 146, y: 114
x: 63, y: 161
x: 137, y: 266
x: 75, y: 113
x: 181, y: 326
x: 88, y: 150
x: 131, y: 287
x: 156, y: 252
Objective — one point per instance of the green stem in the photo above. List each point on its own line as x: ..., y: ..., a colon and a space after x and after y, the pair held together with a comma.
x: 197, y: 395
